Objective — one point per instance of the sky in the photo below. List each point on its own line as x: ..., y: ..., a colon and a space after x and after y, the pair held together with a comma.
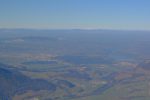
x: 75, y: 14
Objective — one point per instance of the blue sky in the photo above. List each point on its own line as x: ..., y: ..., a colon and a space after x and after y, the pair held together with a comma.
x: 75, y: 14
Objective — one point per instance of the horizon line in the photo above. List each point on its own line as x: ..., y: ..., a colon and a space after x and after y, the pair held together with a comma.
x: 81, y: 29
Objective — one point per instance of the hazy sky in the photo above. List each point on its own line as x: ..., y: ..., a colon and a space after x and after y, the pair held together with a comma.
x: 75, y: 14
